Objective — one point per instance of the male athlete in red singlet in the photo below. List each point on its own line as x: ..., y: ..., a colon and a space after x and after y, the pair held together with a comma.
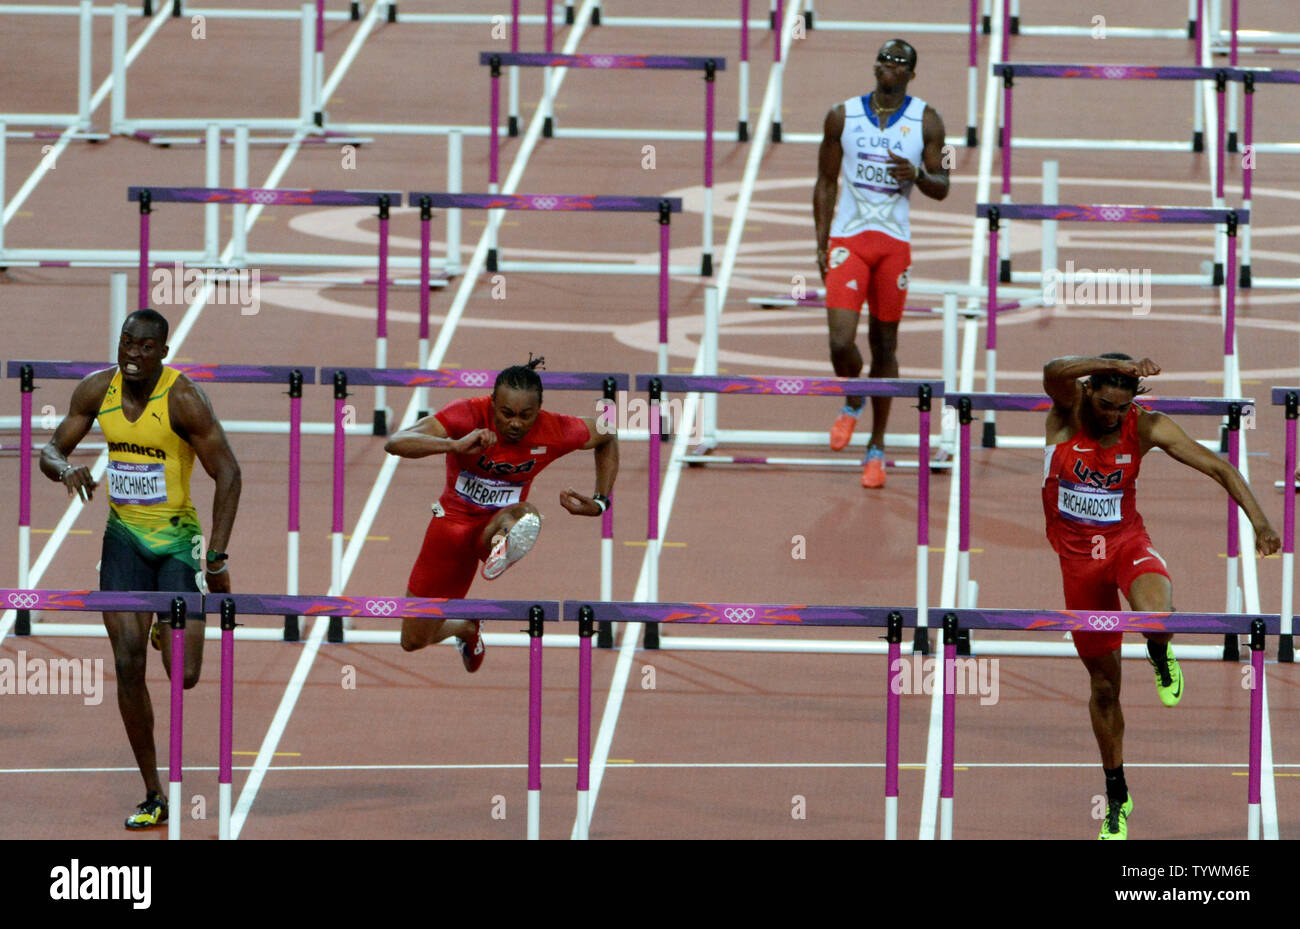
x: 1096, y: 437
x: 495, y: 446
x: 875, y: 148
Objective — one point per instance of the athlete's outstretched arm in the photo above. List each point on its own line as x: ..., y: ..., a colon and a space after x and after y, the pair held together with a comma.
x: 1061, y: 375
x: 194, y: 420
x: 604, y: 439
x: 82, y: 411
x: 1163, y: 432
x: 428, y: 437
x: 827, y: 188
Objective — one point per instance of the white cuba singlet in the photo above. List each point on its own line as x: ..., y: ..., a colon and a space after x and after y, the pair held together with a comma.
x: 870, y: 199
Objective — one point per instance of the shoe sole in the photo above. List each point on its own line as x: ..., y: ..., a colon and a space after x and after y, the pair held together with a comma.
x: 519, y: 542
x: 468, y: 656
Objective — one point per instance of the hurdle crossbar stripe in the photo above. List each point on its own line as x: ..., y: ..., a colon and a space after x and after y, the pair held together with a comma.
x: 389, y: 607
x: 259, y: 196
x: 408, y: 377
x: 788, y: 385
x: 1110, y: 213
x: 550, y: 203
x: 1041, y: 403
x: 204, y: 373
x: 606, y: 62
x: 99, y: 601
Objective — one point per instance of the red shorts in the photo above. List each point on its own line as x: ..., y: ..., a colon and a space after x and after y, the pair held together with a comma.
x: 1095, y: 584
x: 448, y: 558
x: 869, y: 266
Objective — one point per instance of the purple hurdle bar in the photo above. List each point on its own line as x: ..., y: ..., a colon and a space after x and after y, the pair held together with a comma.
x: 575, y: 203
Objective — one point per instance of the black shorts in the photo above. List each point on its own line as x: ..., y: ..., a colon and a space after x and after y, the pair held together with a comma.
x: 124, y: 565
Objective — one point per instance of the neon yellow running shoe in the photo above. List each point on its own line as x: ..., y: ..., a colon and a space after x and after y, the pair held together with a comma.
x: 1115, y: 825
x: 1169, y: 678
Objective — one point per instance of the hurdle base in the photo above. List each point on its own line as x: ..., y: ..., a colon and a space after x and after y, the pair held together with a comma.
x: 1004, y: 271
x: 1015, y: 25
x: 706, y: 265
x: 512, y: 126
x: 1231, y: 647
x: 1244, y: 281
x: 1286, y: 649
x: 291, y: 631
x: 771, y: 21
x: 972, y: 137
x: 1223, y: 439
x: 604, y: 635
x: 808, y: 19
x: 23, y: 622
x: 380, y: 426
x: 963, y: 641
x: 334, y: 634
x: 1198, y: 141
x: 492, y: 259
x: 147, y: 8
x: 990, y: 437
x: 595, y: 16
x: 986, y: 25
x: 1232, y: 141
x: 921, y: 641
x: 776, y: 132
x: 1218, y: 274
x: 742, y: 131
x: 356, y: 11
x: 1191, y: 29
x: 568, y: 15
x: 651, y: 636
x: 421, y: 414
x: 318, y: 119
x: 548, y: 127
x: 392, y: 11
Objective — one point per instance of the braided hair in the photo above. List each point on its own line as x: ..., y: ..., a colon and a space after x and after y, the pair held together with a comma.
x: 522, y: 377
x: 1127, y: 382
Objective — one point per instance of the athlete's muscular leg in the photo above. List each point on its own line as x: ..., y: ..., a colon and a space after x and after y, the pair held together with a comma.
x: 417, y: 633
x: 1152, y: 593
x: 1104, y: 708
x: 128, y: 633
x: 845, y: 357
x: 883, y: 338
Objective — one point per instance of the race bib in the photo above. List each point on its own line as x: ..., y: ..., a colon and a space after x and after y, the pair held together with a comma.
x: 876, y: 174
x: 484, y: 491
x: 137, y: 484
x: 1092, y: 505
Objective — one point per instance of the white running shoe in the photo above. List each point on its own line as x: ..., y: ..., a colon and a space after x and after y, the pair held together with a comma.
x: 512, y: 546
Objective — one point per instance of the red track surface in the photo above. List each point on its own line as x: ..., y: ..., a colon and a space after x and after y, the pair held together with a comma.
x: 418, y: 749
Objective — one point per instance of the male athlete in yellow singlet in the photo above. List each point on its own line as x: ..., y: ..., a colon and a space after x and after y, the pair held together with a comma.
x: 155, y: 421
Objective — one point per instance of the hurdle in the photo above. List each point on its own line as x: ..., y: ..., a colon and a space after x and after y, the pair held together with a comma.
x: 243, y: 197
x: 80, y: 120
x: 27, y: 373
x: 967, y: 589
x: 1289, y: 399
x: 1248, y: 79
x: 664, y: 207
x: 710, y: 67
x: 343, y: 378
x: 994, y: 213
x: 924, y: 391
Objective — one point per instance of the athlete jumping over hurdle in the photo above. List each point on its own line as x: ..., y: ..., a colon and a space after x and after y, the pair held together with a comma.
x: 495, y: 446
x: 156, y: 421
x: 883, y: 144
x: 1096, y: 437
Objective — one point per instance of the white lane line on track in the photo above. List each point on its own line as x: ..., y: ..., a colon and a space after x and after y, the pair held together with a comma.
x: 627, y: 647
x: 948, y: 596
x: 69, y: 517
x: 380, y: 487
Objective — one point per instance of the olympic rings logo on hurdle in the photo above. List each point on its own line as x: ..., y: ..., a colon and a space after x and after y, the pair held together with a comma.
x: 1113, y: 214
x: 545, y: 203
x: 789, y: 385
x: 381, y: 607
x: 265, y: 196
x: 1105, y: 623
x: 1113, y: 72
x: 474, y: 378
x: 601, y: 61
x: 739, y: 614
x: 24, y: 601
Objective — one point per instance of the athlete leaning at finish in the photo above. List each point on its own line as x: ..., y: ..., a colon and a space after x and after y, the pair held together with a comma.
x: 1096, y: 437
x: 155, y: 421
x: 495, y: 446
x: 874, y: 150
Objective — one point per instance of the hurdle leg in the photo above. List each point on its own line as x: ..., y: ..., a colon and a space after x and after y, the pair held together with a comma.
x: 227, y: 732
x: 779, y: 67
x: 292, y: 632
x: 708, y: 411
x: 595, y: 14
x: 239, y: 228
x: 23, y: 619
x: 117, y: 118
x: 1255, y: 769
x: 335, y: 631
x: 742, y: 83
x: 1048, y: 231
x: 211, y: 211
x: 1015, y: 17
x: 547, y: 105
x: 535, y: 625
x: 1285, y: 646
x: 1247, y: 171
x: 568, y: 13
x: 175, y: 798
x: 706, y: 260
x: 142, y: 298
x: 991, y: 333
x: 946, y: 782
x: 585, y: 624
x: 380, y: 425
x: 86, y: 38
x: 1233, y: 594
x: 1191, y: 18
x: 307, y: 95
x: 3, y: 145
x: 651, y: 640
x: 452, y: 264
x: 318, y: 68
x: 893, y: 687
x: 972, y: 79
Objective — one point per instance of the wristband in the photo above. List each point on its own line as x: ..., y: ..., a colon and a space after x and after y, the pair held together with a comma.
x: 602, y: 501
x: 214, y: 555
x: 64, y: 472
x: 224, y: 568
